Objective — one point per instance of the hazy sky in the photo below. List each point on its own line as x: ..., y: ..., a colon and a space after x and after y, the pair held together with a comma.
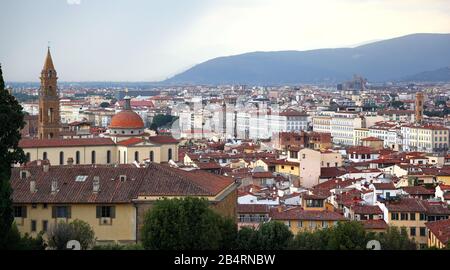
x: 147, y: 40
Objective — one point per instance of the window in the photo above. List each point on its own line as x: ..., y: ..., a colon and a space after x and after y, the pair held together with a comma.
x: 61, y: 158
x: 45, y: 225
x: 422, y: 216
x: 34, y: 205
x: 108, y: 156
x: 303, y: 156
x: 412, y: 231
x: 45, y: 206
x: 169, y: 154
x: 28, y: 157
x: 44, y: 155
x: 33, y: 225
x: 151, y: 156
x: 394, y: 216
x: 422, y: 231
x: 412, y: 216
x: 106, y: 212
x: 312, y: 224
x: 324, y: 224
x: 77, y: 157
x: 61, y: 212
x: 314, y: 203
x: 300, y: 224
x: 93, y: 157
x: 288, y: 223
x: 292, y: 168
x: 124, y: 157
x: 136, y: 156
x: 20, y: 211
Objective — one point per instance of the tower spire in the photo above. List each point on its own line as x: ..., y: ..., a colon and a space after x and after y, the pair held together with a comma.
x: 48, y: 65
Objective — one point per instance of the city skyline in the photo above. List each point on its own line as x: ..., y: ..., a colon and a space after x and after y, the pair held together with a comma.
x: 151, y: 41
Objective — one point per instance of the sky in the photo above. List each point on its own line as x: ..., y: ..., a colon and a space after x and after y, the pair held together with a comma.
x: 151, y: 40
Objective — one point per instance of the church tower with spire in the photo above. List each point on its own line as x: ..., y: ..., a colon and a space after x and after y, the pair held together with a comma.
x: 49, y: 119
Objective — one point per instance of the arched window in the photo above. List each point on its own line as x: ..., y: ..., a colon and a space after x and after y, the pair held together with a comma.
x: 108, y: 156
x: 124, y: 157
x: 169, y: 154
x: 28, y: 157
x: 77, y: 157
x: 93, y: 157
x: 151, y: 156
x: 50, y: 135
x: 136, y: 156
x: 44, y: 155
x: 61, y: 158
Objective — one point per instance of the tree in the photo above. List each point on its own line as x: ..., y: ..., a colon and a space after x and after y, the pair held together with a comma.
x: 247, y: 239
x: 397, y: 104
x: 105, y: 104
x: 17, y: 242
x: 183, y: 224
x: 395, y: 239
x: 274, y: 235
x: 161, y: 120
x: 61, y: 233
x: 347, y: 236
x: 11, y: 122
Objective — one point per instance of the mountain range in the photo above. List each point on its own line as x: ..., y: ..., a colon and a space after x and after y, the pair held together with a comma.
x: 416, y: 57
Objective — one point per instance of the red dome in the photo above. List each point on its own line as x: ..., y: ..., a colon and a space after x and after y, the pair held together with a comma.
x: 126, y: 119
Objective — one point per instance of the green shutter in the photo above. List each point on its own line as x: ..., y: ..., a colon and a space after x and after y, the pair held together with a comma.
x: 113, y: 211
x: 99, y: 212
x: 54, y: 212
x: 24, y: 211
x: 69, y: 212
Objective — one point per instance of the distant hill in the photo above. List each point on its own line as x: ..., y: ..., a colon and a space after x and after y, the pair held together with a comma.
x: 438, y: 75
x: 379, y: 61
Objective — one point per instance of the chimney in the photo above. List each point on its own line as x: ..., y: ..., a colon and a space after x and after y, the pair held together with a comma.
x: 70, y: 161
x: 45, y: 167
x: 55, y: 186
x: 33, y: 186
x: 96, y: 184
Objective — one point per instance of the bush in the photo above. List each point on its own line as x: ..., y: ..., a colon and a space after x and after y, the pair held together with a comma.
x: 63, y: 232
x: 186, y: 224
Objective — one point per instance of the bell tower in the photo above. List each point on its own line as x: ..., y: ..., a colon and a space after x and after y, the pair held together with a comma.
x: 49, y: 119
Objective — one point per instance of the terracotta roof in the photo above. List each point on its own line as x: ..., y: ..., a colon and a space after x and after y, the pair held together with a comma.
x: 126, y: 119
x: 379, y: 224
x: 130, y: 141
x: 367, y: 209
x: 208, y: 165
x: 262, y: 175
x: 31, y: 143
x: 162, y: 139
x: 298, y: 213
x: 418, y: 190
x: 318, y: 196
x: 332, y: 172
x: 360, y: 150
x: 384, y: 186
x: 406, y: 205
x: 153, y: 180
x: 253, y: 208
x: 440, y: 229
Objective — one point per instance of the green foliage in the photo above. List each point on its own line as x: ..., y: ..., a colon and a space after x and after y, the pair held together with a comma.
x: 274, y: 236
x: 352, y: 236
x: 63, y: 232
x: 11, y: 122
x: 395, y: 239
x: 118, y: 247
x: 17, y: 242
x: 161, y: 120
x: 398, y: 104
x: 104, y: 104
x: 184, y: 224
x: 247, y: 239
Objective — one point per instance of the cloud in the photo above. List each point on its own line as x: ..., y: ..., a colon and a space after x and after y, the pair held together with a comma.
x: 74, y: 2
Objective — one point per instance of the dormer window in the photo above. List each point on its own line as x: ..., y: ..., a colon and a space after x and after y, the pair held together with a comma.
x: 123, y: 178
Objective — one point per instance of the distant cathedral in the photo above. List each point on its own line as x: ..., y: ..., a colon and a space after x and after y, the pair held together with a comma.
x: 49, y: 119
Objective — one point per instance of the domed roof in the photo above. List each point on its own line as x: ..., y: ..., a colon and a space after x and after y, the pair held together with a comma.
x: 126, y: 119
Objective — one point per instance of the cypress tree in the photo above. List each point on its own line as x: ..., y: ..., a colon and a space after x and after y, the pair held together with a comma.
x: 11, y: 122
